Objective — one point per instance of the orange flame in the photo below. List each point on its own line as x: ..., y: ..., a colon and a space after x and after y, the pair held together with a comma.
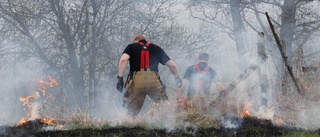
x: 25, y: 100
x: 279, y: 122
x: 22, y: 121
x: 53, y: 82
x: 48, y: 122
x: 43, y: 121
x: 245, y: 113
x: 43, y: 85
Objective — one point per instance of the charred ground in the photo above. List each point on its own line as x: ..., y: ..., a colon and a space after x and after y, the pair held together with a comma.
x: 249, y: 127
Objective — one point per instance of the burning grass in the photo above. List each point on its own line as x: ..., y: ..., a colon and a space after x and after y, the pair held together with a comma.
x: 249, y: 126
x: 186, y: 121
x: 190, y: 122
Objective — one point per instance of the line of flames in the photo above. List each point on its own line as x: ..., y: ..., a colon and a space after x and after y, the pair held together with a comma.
x: 246, y: 114
x: 50, y: 122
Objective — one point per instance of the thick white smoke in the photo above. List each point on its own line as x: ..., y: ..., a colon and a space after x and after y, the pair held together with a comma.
x: 17, y: 81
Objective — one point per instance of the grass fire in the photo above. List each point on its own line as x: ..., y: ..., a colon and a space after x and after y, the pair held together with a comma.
x: 144, y: 68
x: 189, y: 120
x: 174, y: 117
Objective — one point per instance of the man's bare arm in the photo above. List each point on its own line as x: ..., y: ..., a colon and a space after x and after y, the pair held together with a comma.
x: 123, y: 64
x: 173, y: 68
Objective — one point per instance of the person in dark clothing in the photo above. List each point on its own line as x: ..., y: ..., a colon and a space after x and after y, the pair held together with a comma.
x: 144, y: 58
x: 198, y: 79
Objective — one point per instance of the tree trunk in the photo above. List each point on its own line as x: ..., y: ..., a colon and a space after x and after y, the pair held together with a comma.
x: 286, y: 34
x: 269, y: 48
x: 93, y: 63
x: 75, y: 70
x: 262, y: 70
x: 288, y: 26
x: 300, y: 66
x: 238, y: 28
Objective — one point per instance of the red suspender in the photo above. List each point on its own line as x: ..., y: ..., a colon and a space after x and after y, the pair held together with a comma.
x: 198, y: 68
x: 144, y: 58
x: 205, y: 69
x: 127, y: 81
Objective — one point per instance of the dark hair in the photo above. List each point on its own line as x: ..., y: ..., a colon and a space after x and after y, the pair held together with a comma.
x: 204, y: 56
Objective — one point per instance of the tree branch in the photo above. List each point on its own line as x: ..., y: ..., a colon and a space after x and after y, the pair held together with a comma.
x: 284, y: 57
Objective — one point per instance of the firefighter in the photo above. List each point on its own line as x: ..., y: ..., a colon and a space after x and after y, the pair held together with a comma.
x: 198, y: 78
x: 143, y: 79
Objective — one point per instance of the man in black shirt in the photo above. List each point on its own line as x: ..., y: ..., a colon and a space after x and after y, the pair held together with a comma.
x: 144, y: 58
x: 199, y: 78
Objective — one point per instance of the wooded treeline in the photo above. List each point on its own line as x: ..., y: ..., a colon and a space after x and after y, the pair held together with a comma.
x: 79, y: 42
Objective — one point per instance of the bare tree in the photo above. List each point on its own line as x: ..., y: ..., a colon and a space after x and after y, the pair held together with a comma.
x: 81, y: 41
x: 226, y: 14
x: 297, y: 20
x: 67, y: 37
x: 297, y: 23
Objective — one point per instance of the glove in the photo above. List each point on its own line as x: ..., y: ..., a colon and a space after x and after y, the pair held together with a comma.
x: 178, y: 81
x: 120, y: 84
